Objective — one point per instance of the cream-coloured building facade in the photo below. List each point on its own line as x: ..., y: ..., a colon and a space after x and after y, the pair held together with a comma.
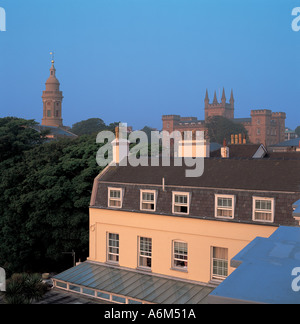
x: 156, y: 236
x: 201, y: 236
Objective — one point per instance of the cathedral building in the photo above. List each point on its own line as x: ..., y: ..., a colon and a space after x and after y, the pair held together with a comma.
x: 263, y: 126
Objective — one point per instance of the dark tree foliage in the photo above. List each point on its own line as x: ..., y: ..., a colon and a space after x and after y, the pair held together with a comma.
x: 17, y: 136
x: 45, y: 191
x: 220, y: 128
x: 91, y: 126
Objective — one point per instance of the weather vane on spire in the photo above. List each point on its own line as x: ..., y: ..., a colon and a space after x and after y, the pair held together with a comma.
x: 52, y: 54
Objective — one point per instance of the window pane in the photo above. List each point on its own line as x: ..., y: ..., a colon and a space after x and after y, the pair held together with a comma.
x: 224, y: 212
x: 113, y: 247
x: 180, y: 247
x: 88, y: 291
x: 145, y: 252
x: 181, y: 199
x: 147, y: 196
x: 148, y: 206
x: 225, y: 202
x: 102, y: 295
x: 115, y: 193
x: 263, y: 216
x: 263, y: 204
x: 112, y: 257
x: 118, y: 299
x: 114, y: 203
x: 220, y: 262
x: 181, y: 209
x: 220, y: 253
x: 145, y: 262
x: 131, y: 301
x: 74, y: 288
x: 180, y: 254
x: 61, y: 284
x: 145, y: 244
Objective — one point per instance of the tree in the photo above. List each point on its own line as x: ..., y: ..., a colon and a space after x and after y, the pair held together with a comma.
x: 16, y: 136
x: 24, y: 288
x: 220, y: 128
x: 91, y: 126
x: 44, y: 198
x: 297, y: 131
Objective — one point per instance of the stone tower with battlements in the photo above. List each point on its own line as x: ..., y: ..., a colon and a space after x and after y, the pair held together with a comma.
x: 216, y: 108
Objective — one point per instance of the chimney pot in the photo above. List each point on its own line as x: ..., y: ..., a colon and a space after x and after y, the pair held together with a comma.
x: 232, y: 139
x: 240, y: 138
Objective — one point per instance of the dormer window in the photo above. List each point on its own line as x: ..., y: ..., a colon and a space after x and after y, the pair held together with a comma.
x: 148, y: 200
x: 115, y: 197
x: 181, y: 203
x: 263, y: 209
x: 224, y: 206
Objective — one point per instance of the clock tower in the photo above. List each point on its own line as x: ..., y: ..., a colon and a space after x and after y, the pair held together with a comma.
x: 52, y: 101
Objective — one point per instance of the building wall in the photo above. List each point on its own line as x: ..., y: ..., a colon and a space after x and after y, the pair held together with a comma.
x: 266, y: 127
x: 200, y: 235
x: 219, y: 109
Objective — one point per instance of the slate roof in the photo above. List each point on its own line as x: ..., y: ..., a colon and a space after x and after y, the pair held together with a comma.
x: 239, y: 151
x: 55, y: 131
x: 242, y: 120
x: 249, y: 174
x: 292, y: 142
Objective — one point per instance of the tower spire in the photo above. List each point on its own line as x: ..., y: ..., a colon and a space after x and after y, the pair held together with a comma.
x: 206, y: 96
x: 231, y: 97
x: 215, y: 101
x: 223, y: 97
x: 223, y: 94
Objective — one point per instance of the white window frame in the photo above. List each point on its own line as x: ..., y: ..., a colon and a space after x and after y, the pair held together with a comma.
x: 143, y: 254
x: 154, y: 192
x: 177, y: 193
x: 232, y: 197
x: 108, y: 246
x: 254, y: 199
x: 174, y: 267
x: 115, y: 199
x: 218, y: 277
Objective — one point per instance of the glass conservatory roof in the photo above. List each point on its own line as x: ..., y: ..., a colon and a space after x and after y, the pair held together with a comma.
x: 133, y: 284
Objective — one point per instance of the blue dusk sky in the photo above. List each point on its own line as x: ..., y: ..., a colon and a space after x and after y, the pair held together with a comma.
x: 136, y: 60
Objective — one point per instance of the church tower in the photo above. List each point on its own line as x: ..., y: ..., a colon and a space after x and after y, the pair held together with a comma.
x: 219, y: 108
x: 52, y: 101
